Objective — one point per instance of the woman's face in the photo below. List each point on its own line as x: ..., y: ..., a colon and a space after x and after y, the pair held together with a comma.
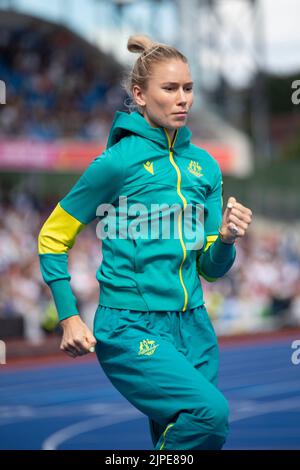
x: 169, y: 92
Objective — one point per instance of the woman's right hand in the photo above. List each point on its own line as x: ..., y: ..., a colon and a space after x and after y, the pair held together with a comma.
x: 77, y: 338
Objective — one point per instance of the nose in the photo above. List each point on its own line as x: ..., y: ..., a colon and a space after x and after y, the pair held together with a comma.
x: 181, y: 96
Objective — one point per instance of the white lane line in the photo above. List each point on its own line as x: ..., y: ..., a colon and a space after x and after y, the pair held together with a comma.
x: 25, y: 411
x: 249, y: 409
x: 65, y: 434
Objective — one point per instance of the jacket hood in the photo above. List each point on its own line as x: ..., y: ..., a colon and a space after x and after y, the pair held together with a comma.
x: 134, y: 123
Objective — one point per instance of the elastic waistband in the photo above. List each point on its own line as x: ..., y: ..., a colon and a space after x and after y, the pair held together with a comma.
x: 133, y: 311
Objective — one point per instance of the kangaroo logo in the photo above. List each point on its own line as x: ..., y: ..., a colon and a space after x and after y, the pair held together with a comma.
x: 147, y: 347
x: 195, y: 168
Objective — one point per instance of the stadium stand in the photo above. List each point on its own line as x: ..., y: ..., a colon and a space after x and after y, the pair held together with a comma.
x: 58, y: 85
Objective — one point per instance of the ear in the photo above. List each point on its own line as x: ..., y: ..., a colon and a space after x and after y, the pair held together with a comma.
x: 138, y: 95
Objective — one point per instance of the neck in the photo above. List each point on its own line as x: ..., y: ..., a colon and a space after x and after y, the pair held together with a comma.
x: 171, y: 132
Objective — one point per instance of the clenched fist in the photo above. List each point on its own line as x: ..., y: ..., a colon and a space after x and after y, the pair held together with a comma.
x: 77, y: 338
x: 235, y: 222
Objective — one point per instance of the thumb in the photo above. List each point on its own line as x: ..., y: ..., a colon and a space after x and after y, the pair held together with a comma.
x: 90, y: 341
x: 230, y: 203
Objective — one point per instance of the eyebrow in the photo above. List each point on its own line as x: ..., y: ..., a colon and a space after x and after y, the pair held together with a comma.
x: 176, y: 83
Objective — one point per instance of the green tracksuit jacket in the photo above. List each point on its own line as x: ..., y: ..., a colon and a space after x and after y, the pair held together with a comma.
x: 142, y: 272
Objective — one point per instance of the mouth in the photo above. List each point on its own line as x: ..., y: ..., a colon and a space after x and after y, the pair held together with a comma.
x: 181, y: 113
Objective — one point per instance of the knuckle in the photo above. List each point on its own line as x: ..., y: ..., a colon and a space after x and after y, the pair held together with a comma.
x: 245, y: 219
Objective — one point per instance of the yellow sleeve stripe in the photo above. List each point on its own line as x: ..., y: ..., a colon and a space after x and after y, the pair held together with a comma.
x: 59, y: 232
x: 210, y: 239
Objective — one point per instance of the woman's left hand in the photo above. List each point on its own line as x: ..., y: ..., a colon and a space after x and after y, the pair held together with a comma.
x: 235, y: 222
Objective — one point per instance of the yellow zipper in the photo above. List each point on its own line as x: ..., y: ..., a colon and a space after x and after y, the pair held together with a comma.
x: 180, y: 214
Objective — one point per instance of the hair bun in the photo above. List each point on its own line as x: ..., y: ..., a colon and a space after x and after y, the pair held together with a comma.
x: 140, y: 43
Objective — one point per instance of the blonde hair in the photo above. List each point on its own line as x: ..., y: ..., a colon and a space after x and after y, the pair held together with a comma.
x: 151, y: 53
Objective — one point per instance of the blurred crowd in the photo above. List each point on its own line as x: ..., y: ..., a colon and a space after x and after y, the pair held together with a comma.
x: 23, y: 292
x: 54, y: 87
x: 261, y: 291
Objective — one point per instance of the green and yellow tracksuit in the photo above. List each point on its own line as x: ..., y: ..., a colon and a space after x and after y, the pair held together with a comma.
x: 151, y: 297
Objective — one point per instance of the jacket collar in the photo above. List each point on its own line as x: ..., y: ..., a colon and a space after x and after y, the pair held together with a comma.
x: 134, y: 123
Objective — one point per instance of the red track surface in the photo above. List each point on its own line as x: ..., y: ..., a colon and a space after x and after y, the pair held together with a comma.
x: 23, y: 354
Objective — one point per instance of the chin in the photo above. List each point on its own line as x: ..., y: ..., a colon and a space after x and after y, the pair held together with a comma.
x: 180, y: 124
x: 175, y: 124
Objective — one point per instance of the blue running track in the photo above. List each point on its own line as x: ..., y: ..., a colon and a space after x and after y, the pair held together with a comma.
x: 72, y: 405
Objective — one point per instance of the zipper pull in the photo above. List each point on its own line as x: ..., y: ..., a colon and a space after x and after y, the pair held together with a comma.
x: 172, y: 149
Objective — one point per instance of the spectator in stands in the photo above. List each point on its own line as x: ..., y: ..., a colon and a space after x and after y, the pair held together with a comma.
x: 55, y: 89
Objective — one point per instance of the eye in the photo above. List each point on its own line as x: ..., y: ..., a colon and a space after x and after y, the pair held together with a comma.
x: 170, y: 88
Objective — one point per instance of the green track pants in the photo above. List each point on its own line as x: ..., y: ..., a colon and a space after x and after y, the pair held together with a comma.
x: 166, y: 365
